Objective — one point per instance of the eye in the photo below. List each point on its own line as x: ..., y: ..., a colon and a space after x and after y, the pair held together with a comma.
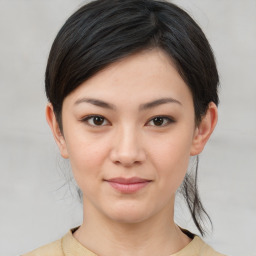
x: 95, y: 120
x: 160, y: 121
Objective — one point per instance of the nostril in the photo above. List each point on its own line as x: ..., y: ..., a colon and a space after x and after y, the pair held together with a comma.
x: 127, y: 150
x: 127, y: 160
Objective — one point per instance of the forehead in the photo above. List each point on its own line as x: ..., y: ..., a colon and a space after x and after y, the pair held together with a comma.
x: 141, y: 77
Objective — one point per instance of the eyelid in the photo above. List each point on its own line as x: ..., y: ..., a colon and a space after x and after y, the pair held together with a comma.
x: 88, y: 117
x: 169, y: 119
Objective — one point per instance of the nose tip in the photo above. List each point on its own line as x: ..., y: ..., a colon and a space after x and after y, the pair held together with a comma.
x: 127, y: 151
x: 126, y: 159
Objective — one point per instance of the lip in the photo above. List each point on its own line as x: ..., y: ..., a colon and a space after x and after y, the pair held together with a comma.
x: 128, y: 185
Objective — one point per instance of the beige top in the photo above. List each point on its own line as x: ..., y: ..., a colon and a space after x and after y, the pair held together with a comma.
x: 69, y: 246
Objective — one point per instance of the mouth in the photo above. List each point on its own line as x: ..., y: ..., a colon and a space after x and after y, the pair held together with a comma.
x: 128, y: 185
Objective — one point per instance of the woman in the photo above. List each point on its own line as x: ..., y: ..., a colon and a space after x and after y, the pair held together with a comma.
x: 132, y: 90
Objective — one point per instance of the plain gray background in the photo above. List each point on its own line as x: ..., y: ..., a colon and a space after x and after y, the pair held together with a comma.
x: 34, y: 206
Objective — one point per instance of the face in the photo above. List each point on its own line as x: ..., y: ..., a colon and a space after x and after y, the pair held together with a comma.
x: 129, y: 132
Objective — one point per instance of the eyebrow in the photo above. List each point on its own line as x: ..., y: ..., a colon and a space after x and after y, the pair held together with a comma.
x: 99, y: 103
x: 145, y: 106
x: 158, y: 102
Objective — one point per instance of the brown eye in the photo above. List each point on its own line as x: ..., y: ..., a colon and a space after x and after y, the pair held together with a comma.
x: 95, y: 120
x: 160, y: 121
x: 98, y: 120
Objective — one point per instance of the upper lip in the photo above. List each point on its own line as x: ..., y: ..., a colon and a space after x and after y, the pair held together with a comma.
x: 132, y: 180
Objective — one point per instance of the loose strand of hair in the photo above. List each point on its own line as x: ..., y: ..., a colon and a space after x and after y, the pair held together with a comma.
x: 192, y: 198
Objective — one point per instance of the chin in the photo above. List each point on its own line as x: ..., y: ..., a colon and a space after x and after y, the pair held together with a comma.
x: 129, y: 215
x: 129, y: 219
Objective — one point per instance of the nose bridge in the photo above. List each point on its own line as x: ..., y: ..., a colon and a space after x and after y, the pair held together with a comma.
x: 127, y: 148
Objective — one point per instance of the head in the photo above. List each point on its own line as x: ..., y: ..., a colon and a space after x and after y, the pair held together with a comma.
x: 111, y: 34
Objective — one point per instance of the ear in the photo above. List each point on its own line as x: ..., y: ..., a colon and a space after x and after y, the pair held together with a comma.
x: 57, y: 134
x: 204, y: 129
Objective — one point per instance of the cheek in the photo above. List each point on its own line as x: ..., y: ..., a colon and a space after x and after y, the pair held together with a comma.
x: 86, y: 155
x: 171, y: 158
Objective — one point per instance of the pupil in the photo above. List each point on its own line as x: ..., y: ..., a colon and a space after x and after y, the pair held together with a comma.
x: 98, y: 120
x: 158, y: 121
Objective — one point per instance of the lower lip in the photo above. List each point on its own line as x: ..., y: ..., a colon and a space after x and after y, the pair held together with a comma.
x: 128, y: 188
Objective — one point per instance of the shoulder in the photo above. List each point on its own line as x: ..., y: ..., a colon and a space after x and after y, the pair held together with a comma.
x: 52, y: 249
x: 204, y: 249
x: 197, y: 247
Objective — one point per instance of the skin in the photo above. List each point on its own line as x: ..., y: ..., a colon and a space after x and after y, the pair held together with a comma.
x: 129, y: 142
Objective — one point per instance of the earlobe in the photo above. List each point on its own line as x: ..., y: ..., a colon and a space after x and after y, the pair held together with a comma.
x: 204, y: 129
x: 57, y: 134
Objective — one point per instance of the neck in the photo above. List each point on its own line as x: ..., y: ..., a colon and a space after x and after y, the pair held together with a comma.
x: 158, y: 235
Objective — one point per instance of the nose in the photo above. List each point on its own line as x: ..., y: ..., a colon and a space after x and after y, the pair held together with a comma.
x: 127, y: 149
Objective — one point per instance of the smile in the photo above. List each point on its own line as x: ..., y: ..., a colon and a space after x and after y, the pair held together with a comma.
x: 128, y: 186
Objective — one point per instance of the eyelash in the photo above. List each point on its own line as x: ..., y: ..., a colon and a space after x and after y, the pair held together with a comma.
x: 167, y: 120
x: 87, y: 118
